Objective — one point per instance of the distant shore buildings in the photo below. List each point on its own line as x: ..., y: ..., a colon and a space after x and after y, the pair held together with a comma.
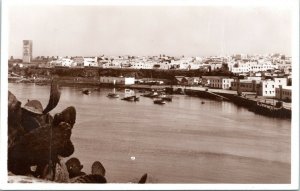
x: 266, y: 75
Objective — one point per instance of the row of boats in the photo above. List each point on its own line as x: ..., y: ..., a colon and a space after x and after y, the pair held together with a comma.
x: 160, y: 97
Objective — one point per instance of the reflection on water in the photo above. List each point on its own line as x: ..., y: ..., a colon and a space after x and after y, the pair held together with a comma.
x: 183, y: 141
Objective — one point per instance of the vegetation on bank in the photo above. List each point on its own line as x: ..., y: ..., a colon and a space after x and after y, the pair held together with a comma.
x: 97, y: 72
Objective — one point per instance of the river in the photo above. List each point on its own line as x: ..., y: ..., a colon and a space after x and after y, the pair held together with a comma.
x: 183, y: 141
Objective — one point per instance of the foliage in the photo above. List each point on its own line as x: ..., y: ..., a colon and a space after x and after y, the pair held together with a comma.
x: 137, y: 73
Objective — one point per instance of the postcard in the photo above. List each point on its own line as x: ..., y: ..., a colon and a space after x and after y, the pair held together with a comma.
x: 181, y: 95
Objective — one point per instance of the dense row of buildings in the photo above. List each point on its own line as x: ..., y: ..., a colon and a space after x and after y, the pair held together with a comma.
x: 260, y: 86
x: 266, y: 75
x: 240, y: 64
x: 231, y: 63
x: 268, y: 87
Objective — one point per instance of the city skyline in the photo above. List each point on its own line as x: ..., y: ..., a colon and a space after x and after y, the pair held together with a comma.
x: 136, y: 30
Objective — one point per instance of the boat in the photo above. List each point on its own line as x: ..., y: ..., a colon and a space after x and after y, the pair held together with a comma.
x: 113, y: 94
x: 202, y: 102
x: 151, y: 94
x: 165, y: 97
x: 159, y: 101
x: 86, y: 91
x: 130, y: 96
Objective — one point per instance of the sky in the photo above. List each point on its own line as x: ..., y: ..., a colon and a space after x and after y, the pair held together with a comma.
x: 60, y: 30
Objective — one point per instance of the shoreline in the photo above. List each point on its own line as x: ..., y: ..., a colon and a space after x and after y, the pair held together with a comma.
x: 260, y: 105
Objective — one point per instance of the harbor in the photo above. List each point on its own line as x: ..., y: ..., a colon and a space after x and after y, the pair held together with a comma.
x: 214, y: 137
x: 259, y: 104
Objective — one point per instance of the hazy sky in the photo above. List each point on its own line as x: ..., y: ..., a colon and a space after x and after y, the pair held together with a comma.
x: 135, y: 30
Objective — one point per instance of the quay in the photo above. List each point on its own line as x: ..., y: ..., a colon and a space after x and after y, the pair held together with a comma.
x: 257, y: 104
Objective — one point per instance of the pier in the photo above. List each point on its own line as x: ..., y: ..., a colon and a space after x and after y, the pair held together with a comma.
x: 257, y: 104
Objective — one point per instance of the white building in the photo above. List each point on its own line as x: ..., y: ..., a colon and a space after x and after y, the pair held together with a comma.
x: 90, y: 62
x: 117, y: 80
x: 226, y: 83
x: 141, y: 65
x: 280, y: 81
x: 267, y: 87
x: 251, y: 66
x: 262, y: 66
x: 240, y: 68
x: 79, y: 61
x: 162, y: 66
x: 219, y: 82
x: 193, y: 81
x: 63, y: 62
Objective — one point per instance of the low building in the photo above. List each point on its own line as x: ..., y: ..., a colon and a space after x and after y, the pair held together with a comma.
x: 90, y: 62
x: 280, y: 81
x: 79, y: 61
x: 219, y: 82
x: 244, y: 85
x: 267, y: 87
x: 226, y: 83
x: 141, y: 65
x: 117, y: 80
x: 284, y: 93
x: 63, y: 62
x: 162, y: 66
x: 181, y: 80
x: 193, y: 81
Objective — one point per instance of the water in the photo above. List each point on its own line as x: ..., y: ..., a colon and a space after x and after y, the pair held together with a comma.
x: 183, y: 141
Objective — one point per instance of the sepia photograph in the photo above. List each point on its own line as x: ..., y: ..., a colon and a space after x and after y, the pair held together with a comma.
x: 147, y: 95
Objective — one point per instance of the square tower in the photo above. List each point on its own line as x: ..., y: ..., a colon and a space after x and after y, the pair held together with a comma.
x: 27, y: 51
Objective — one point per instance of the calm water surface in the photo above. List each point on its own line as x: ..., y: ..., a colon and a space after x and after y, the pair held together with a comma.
x: 183, y: 141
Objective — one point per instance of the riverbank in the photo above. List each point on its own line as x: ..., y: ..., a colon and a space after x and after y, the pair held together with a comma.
x: 257, y: 104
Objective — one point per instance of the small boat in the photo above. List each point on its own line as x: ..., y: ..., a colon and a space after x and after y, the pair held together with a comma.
x: 130, y: 96
x: 159, y: 101
x: 202, y: 102
x: 86, y: 91
x: 151, y: 94
x: 164, y: 97
x: 113, y: 95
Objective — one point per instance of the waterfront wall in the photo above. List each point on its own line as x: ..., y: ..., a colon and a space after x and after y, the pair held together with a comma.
x: 253, y: 105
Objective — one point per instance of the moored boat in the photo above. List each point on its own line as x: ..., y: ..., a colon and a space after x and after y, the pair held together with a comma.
x: 165, y: 97
x: 86, y: 91
x: 151, y: 94
x: 113, y: 95
x: 159, y: 101
x: 130, y: 96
